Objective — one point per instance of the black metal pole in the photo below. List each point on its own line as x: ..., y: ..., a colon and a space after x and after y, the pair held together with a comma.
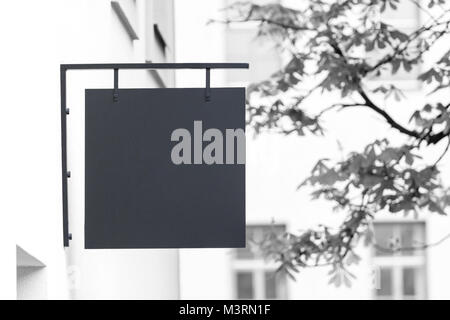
x: 115, y: 66
x: 64, y: 157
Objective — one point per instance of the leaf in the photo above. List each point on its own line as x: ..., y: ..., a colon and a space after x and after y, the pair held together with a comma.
x: 439, y: 87
x: 416, y: 114
x: 409, y: 159
x: 396, y: 34
x: 434, y: 207
x: 427, y: 108
x: 389, y: 155
x: 329, y: 178
x: 352, y: 258
x: 347, y: 282
x: 336, y: 280
x: 395, y: 65
x: 393, y: 5
x: 407, y: 65
x: 381, y: 89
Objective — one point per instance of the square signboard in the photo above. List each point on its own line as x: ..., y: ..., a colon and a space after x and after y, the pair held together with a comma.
x: 164, y: 168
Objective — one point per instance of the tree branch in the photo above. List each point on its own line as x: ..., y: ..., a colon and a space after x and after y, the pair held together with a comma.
x: 443, y: 154
x: 341, y: 105
x: 369, y: 103
x: 264, y: 20
x: 398, y: 50
x: 412, y: 248
x: 428, y: 13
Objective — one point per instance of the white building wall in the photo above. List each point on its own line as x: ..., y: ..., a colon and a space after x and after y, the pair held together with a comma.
x: 39, y: 35
x: 277, y: 164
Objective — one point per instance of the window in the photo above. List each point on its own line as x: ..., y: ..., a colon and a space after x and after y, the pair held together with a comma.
x: 255, y: 278
x: 242, y: 45
x: 401, y: 273
x: 406, y: 18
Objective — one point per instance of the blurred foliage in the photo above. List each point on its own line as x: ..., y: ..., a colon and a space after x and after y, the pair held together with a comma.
x: 337, y: 47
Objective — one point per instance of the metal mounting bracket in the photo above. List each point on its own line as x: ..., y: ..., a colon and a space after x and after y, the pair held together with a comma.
x: 116, y: 66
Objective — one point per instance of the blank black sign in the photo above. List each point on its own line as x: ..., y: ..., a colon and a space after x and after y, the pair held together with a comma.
x: 135, y: 196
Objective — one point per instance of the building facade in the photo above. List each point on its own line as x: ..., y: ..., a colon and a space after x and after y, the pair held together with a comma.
x: 43, y: 35
x: 276, y: 164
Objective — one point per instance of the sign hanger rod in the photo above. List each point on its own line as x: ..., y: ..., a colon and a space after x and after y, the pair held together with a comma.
x: 89, y: 66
